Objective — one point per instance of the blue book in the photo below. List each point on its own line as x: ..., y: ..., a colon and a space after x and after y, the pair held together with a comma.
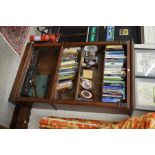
x: 110, y: 99
x: 66, y: 73
x: 67, y: 70
x: 114, y: 87
x: 115, y: 60
x: 115, y: 53
x: 110, y: 33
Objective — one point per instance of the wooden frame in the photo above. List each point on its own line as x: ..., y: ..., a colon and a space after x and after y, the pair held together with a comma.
x: 150, y: 53
x: 109, y: 107
x: 145, y: 86
x: 143, y: 77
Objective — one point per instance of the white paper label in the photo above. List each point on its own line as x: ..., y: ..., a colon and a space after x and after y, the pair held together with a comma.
x: 37, y: 38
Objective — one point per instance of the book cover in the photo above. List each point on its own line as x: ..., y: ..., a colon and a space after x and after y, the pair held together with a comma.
x: 110, y: 99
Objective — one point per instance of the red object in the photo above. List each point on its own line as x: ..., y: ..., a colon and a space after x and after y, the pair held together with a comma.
x: 52, y: 37
x: 39, y: 38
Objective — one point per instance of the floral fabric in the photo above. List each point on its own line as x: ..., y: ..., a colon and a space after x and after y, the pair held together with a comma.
x: 146, y: 121
x: 72, y: 123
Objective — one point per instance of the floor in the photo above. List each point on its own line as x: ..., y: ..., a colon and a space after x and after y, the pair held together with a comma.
x: 9, y: 63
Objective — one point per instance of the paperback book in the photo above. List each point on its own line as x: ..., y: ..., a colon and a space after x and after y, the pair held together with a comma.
x: 114, y: 74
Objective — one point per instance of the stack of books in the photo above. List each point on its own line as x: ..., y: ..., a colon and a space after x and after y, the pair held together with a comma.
x: 68, y: 67
x: 114, y: 74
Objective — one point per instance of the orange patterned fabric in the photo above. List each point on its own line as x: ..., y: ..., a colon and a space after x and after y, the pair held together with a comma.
x: 72, y: 123
x: 146, y: 121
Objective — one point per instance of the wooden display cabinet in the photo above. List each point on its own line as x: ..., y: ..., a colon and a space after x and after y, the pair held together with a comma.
x: 47, y: 58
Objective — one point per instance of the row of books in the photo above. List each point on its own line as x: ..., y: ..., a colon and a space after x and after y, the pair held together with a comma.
x: 114, y: 74
x: 68, y: 68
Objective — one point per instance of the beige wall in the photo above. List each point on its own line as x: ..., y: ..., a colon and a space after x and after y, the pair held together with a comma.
x: 149, y: 33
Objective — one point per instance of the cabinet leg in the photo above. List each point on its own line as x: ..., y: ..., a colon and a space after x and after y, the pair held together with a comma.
x: 20, y: 117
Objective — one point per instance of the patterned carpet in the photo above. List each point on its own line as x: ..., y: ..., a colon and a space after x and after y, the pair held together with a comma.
x: 15, y: 36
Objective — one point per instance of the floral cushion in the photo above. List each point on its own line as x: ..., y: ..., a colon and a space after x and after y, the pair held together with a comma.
x: 146, y: 121
x: 72, y: 123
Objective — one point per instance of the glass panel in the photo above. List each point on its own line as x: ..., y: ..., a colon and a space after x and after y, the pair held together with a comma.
x: 115, y: 75
x: 68, y: 73
x: 40, y: 73
x: 145, y: 62
x: 90, y: 82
